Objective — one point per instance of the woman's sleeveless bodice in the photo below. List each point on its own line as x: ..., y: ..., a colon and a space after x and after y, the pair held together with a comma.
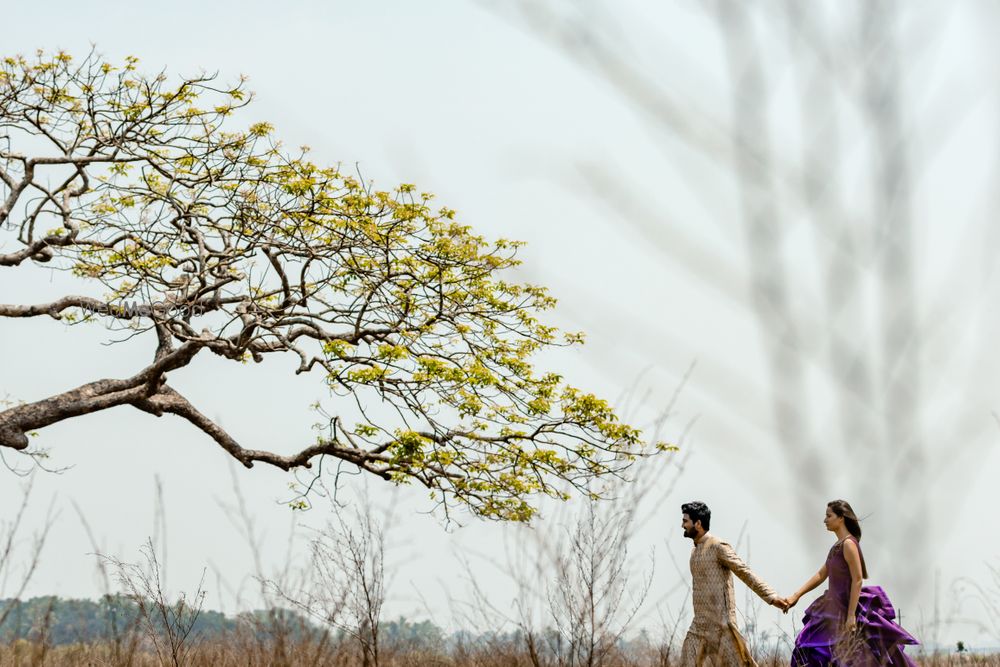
x: 838, y: 573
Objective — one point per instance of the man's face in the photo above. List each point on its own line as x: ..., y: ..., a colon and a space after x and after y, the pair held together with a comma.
x: 690, y: 529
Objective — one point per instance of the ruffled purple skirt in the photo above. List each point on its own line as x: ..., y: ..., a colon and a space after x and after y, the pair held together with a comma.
x: 879, y: 641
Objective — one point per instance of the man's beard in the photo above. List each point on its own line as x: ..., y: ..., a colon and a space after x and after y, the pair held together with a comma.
x: 691, y: 532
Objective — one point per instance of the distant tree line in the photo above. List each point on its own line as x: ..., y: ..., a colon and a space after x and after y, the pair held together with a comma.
x: 60, y: 621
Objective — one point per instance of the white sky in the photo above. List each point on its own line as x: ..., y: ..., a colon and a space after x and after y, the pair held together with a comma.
x: 501, y: 127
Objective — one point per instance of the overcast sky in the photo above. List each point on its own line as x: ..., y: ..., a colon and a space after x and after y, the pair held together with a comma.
x: 520, y: 138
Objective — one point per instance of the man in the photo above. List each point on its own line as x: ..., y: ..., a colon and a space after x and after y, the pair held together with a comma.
x: 713, y: 639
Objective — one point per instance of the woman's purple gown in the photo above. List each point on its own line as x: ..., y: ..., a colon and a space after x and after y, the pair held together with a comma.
x: 822, y: 642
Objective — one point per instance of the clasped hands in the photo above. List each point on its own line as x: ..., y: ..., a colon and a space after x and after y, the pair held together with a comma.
x: 784, y: 604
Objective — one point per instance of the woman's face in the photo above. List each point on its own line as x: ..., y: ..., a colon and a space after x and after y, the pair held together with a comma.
x: 832, y: 521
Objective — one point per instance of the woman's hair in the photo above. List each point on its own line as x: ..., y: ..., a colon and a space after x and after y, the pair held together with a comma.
x: 843, y: 509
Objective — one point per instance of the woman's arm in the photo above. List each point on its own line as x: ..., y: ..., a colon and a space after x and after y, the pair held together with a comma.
x: 853, y: 558
x: 813, y: 582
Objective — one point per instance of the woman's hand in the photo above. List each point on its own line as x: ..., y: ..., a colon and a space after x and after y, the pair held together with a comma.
x: 851, y: 625
x: 787, y: 603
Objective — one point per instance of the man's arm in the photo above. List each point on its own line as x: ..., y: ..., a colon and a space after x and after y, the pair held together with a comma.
x: 727, y: 556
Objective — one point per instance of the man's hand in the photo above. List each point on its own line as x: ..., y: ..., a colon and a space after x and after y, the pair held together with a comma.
x: 784, y: 604
x: 790, y: 602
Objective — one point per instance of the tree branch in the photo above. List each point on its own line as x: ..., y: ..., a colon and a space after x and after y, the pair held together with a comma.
x: 168, y: 400
x: 16, y: 422
x: 55, y: 309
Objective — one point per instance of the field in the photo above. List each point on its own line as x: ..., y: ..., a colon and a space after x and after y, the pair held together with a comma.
x: 331, y: 611
x: 246, y: 651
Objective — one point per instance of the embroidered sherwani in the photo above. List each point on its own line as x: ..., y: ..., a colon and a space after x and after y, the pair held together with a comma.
x: 713, y: 639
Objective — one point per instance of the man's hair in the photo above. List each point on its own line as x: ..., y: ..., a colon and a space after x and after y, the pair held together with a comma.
x: 698, y: 512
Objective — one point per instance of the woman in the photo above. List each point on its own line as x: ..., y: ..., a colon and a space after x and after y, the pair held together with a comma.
x: 849, y: 625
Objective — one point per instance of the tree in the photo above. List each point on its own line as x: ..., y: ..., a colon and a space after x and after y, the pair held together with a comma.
x: 221, y: 242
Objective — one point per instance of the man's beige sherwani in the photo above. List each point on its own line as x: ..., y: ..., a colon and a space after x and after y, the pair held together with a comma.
x: 713, y: 639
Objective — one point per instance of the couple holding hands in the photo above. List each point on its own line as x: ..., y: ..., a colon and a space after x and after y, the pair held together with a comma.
x: 850, y: 625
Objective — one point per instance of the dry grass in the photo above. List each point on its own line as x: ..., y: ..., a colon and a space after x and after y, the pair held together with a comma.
x: 243, y: 652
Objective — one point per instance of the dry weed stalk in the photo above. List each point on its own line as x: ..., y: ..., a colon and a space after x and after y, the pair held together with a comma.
x: 167, y: 626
